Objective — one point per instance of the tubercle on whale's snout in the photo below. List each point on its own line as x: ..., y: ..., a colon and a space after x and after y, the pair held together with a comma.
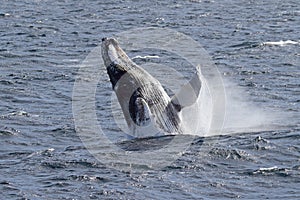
x: 106, y: 42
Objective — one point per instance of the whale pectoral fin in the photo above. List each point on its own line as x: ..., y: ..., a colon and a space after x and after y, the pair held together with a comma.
x: 188, y: 94
x: 140, y: 112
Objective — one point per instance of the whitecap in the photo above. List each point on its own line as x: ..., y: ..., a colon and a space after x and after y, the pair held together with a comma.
x: 144, y: 57
x: 268, y: 168
x: 280, y: 43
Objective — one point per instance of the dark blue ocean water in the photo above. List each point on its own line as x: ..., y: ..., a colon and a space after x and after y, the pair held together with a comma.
x: 255, y: 46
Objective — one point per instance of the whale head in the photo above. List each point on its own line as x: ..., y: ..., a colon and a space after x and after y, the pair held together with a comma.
x: 115, y: 59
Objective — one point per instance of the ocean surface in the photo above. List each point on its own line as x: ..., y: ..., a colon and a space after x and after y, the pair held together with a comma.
x: 255, y: 46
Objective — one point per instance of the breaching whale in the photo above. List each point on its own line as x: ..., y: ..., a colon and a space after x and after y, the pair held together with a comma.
x: 145, y: 104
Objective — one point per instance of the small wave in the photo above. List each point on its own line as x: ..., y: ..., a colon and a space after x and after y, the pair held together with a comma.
x: 260, y: 143
x: 144, y: 57
x: 234, y: 154
x: 5, y: 14
x: 145, y: 144
x: 8, y: 186
x: 245, y: 45
x: 268, y: 171
x: 74, y: 148
x: 15, y: 114
x: 280, y: 43
x: 8, y: 131
x: 87, y: 178
x: 6, y: 82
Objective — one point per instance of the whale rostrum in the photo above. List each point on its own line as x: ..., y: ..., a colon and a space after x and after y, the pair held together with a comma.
x: 145, y: 104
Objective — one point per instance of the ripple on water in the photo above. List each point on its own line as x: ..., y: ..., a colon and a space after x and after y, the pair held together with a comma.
x: 7, y: 131
x: 42, y: 157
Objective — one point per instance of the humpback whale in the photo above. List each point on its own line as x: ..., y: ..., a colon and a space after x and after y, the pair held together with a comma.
x: 145, y: 104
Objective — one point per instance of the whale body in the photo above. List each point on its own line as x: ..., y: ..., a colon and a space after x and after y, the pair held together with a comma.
x: 145, y: 104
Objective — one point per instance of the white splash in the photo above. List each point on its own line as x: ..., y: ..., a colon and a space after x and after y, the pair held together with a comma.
x: 197, y: 118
